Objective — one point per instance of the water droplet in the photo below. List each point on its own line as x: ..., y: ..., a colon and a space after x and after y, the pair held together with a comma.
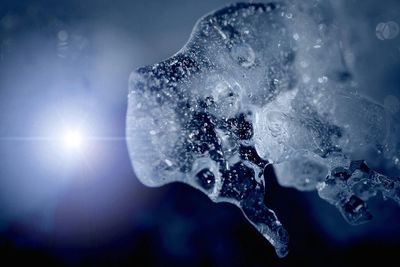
x: 62, y: 35
x: 387, y: 30
x: 9, y: 22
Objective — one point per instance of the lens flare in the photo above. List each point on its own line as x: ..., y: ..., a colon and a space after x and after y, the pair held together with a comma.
x: 73, y: 140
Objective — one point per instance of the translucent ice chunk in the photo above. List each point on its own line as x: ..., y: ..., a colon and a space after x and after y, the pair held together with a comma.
x: 261, y: 84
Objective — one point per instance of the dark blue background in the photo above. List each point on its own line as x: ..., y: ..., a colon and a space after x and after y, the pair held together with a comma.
x: 90, y: 210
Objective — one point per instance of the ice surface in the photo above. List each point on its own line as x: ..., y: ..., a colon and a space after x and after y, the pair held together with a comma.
x: 261, y: 84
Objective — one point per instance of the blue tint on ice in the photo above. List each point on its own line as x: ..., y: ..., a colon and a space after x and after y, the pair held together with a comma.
x: 261, y: 84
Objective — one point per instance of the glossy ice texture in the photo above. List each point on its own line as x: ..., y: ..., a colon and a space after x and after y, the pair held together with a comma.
x: 262, y: 84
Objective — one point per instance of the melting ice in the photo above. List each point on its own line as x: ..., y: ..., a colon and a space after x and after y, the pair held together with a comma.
x: 259, y: 85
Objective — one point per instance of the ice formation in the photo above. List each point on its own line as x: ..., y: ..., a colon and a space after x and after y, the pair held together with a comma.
x: 260, y: 84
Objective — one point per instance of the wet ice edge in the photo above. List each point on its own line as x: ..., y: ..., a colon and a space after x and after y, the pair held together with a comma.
x: 261, y: 84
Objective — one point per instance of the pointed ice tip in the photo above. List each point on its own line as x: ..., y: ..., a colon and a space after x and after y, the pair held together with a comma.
x: 281, y: 247
x: 282, y: 251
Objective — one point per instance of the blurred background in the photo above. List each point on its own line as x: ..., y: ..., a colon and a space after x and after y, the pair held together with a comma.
x: 64, y: 66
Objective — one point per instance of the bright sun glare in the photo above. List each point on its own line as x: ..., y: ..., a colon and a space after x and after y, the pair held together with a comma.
x: 73, y: 139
